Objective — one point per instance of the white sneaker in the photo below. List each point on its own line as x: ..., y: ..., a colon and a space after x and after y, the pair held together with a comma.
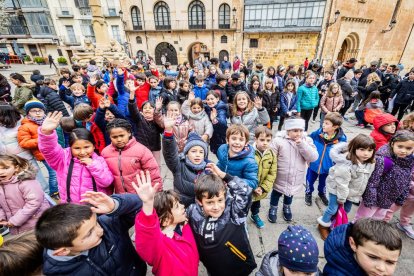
x: 407, y: 229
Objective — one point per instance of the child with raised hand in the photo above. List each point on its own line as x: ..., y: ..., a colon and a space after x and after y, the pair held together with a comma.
x: 78, y: 168
x: 75, y: 95
x: 390, y: 181
x: 288, y: 101
x: 163, y: 238
x: 22, y: 199
x: 331, y: 101
x: 348, y: 178
x: 193, y: 109
x: 126, y: 157
x: 92, y: 238
x: 96, y: 90
x: 385, y: 126
x: 294, y: 151
x: 217, y: 112
x: 218, y: 222
x: 237, y: 156
x: 284, y: 261
x: 105, y: 113
x: 248, y: 113
x: 366, y: 247
x: 266, y: 160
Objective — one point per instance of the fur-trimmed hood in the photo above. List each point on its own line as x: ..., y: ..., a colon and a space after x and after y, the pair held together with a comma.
x: 339, y: 153
x: 27, y: 174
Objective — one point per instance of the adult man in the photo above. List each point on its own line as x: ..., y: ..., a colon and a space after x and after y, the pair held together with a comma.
x: 225, y: 64
x: 346, y: 66
x: 51, y: 61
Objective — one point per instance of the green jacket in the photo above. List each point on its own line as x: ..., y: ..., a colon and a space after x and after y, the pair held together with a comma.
x: 267, y: 162
x: 22, y: 94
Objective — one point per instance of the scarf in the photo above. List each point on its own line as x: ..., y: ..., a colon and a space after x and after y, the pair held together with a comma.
x: 240, y: 112
x: 39, y: 122
x: 197, y: 116
x: 193, y: 166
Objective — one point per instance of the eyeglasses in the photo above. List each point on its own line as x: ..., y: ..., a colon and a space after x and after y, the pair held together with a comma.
x: 36, y: 111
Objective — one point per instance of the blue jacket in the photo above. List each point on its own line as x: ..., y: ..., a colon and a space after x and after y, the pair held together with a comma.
x: 201, y: 92
x: 339, y: 255
x: 243, y: 165
x: 284, y: 103
x: 324, y: 162
x: 171, y: 73
x: 308, y: 97
x: 210, y: 81
x: 123, y: 96
x: 154, y: 94
x: 220, y: 128
x: 70, y: 99
x: 115, y: 255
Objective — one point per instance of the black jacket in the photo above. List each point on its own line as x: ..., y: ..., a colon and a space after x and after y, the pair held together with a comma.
x: 346, y: 89
x: 35, y: 78
x: 52, y: 100
x: 115, y: 255
x: 364, y: 76
x: 270, y: 102
x: 221, y: 91
x: 231, y: 90
x: 182, y: 96
x: 5, y: 93
x: 404, y: 91
x: 389, y: 83
x: 365, y: 91
x: 168, y: 97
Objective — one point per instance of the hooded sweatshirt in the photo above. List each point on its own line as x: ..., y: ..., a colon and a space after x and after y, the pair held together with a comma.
x: 380, y: 136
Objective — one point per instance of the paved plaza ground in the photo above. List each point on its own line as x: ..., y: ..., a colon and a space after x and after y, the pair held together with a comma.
x: 264, y: 240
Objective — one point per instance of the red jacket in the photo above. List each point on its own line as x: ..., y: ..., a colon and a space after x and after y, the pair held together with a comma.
x: 97, y: 134
x: 95, y: 97
x: 380, y: 137
x: 142, y: 94
x: 125, y: 164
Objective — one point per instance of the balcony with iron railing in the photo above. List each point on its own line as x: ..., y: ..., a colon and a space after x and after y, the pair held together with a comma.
x: 179, y: 25
x: 71, y: 40
x: 85, y: 12
x: 14, y: 31
x: 64, y: 12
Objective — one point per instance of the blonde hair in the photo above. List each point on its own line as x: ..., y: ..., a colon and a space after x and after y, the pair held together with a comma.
x: 77, y: 86
x: 269, y: 81
x: 373, y: 77
x: 250, y: 104
x: 329, y: 92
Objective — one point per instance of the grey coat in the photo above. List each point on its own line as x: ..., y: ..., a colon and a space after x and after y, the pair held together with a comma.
x: 252, y: 120
x: 201, y: 121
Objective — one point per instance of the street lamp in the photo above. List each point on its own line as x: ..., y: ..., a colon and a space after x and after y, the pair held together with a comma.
x: 234, y: 15
x: 337, y: 13
x: 391, y: 26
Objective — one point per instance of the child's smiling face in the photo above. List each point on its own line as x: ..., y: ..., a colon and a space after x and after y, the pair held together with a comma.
x: 236, y: 142
x: 213, y: 207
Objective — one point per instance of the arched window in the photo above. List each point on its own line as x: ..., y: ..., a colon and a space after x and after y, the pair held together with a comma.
x: 196, y: 15
x: 139, y: 40
x: 136, y: 18
x: 162, y: 16
x: 224, y: 16
x: 223, y: 39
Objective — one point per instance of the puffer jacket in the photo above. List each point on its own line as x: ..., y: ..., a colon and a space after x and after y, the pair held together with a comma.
x: 114, y: 255
x: 28, y: 138
x: 404, y: 92
x: 5, y: 93
x: 81, y: 181
x: 9, y: 143
x: 123, y: 95
x: 267, y: 163
x: 22, y: 94
x: 52, y: 100
x: 142, y: 93
x: 184, y: 175
x: 340, y: 259
x: 380, y: 137
x: 390, y: 181
x: 201, y: 92
x: 323, y: 146
x: 201, y: 121
x: 126, y: 163
x: 308, y: 97
x: 167, y: 97
x: 221, y: 91
x: 347, y: 180
x: 292, y: 161
x: 220, y: 127
x: 22, y: 201
x: 271, y: 101
x: 331, y: 104
x: 242, y: 165
x: 154, y: 93
x: 252, y: 120
x: 231, y: 90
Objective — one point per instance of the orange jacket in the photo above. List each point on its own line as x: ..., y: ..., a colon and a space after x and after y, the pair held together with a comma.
x: 27, y: 138
x: 95, y: 97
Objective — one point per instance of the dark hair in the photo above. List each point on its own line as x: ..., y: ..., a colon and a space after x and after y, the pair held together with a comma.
x: 268, y: 72
x: 335, y: 118
x: 36, y: 72
x: 214, y: 93
x: 197, y: 101
x: 99, y: 83
x: 292, y: 73
x: 3, y: 80
x: 119, y: 123
x: 377, y: 231
x: 167, y: 64
x: 17, y: 76
x: 210, y: 184
x: 292, y: 82
x: 167, y: 81
x: 221, y: 77
x: 361, y: 141
x: 259, y: 66
x: 75, y: 67
x: 251, y: 85
x: 80, y: 134
x: 141, y: 76
x: 262, y: 129
x: 92, y: 62
x: 67, y: 124
x: 182, y: 82
x: 64, y: 71
x: 9, y: 115
x: 82, y: 112
x: 164, y: 203
x: 401, y: 136
x: 58, y: 226
x: 357, y: 71
x: 373, y: 95
x: 21, y: 255
x: 133, y: 67
x: 147, y: 102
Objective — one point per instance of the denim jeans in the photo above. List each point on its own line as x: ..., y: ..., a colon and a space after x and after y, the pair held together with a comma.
x: 39, y: 176
x: 359, y: 114
x: 311, y: 177
x: 332, y: 208
x: 274, y: 198
x: 53, y: 185
x: 255, y: 207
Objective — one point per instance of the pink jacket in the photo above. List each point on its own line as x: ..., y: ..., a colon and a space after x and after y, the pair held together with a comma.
x: 292, y: 160
x: 59, y: 160
x: 125, y: 164
x: 167, y: 256
x: 331, y: 104
x: 22, y: 201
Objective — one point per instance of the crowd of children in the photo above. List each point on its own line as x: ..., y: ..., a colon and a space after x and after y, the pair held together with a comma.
x: 101, y: 137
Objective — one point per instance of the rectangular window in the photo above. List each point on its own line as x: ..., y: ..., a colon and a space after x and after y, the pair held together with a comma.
x: 87, y: 30
x: 254, y: 43
x: 33, y: 3
x: 116, y: 33
x: 39, y: 23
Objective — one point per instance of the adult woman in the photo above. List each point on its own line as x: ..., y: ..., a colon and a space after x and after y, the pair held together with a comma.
x: 22, y: 93
x: 5, y: 90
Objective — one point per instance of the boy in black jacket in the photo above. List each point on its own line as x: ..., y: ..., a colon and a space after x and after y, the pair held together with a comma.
x: 218, y: 221
x: 78, y: 242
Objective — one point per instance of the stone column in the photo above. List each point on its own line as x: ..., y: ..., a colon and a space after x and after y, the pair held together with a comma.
x: 100, y: 27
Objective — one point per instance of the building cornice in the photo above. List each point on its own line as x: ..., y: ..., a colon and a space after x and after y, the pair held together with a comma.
x: 357, y: 19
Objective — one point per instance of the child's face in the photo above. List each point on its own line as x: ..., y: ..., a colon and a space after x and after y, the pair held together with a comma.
x: 290, y: 87
x: 311, y: 79
x: 172, y: 85
x: 328, y: 127
x: 196, y: 109
x: 147, y: 109
x: 357, y: 76
x: 328, y: 76
x: 103, y: 88
x: 89, y: 236
x: 242, y: 101
x: 335, y: 89
x: 211, y: 101
x: 213, y: 207
x: 196, y: 155
x: 263, y: 141
x: 271, y: 72
x: 199, y: 83
x: 7, y: 171
x: 403, y: 149
x: 119, y: 137
x: 295, y: 134
x: 179, y: 214
x: 256, y: 85
x: 109, y: 116
x: 364, y: 154
x: 185, y: 87
x: 173, y: 110
x: 82, y: 149
x: 223, y: 83
x: 236, y: 142
x: 77, y: 92
x: 77, y: 79
x: 269, y: 85
x: 153, y: 83
x: 389, y: 128
x: 65, y: 75
x: 213, y: 70
x: 140, y: 82
x: 37, y: 113
x: 375, y: 259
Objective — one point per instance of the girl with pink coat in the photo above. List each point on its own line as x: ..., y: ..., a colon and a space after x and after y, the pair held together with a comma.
x: 78, y: 168
x: 22, y: 199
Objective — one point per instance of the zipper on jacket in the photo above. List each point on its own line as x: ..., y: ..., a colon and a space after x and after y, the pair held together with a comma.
x: 120, y: 169
x: 95, y: 266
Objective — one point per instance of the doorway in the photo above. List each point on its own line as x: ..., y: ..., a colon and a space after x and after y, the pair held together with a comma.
x: 165, y: 52
x: 196, y: 50
x: 349, y: 48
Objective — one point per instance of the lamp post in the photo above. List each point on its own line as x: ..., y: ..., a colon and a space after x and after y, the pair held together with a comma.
x: 337, y: 13
x: 234, y: 15
x: 391, y: 26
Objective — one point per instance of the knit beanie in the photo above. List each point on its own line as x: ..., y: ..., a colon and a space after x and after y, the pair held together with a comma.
x: 195, y: 140
x: 34, y: 104
x: 298, y: 249
x: 297, y: 123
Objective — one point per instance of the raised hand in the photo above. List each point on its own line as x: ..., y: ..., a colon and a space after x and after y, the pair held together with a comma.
x: 66, y: 84
x: 212, y: 168
x: 213, y: 114
x: 191, y: 96
x: 51, y: 122
x: 120, y: 71
x: 258, y: 102
x: 144, y: 188
x: 169, y: 122
x: 107, y: 102
x: 101, y: 203
x: 102, y: 103
x: 93, y: 79
x: 158, y: 103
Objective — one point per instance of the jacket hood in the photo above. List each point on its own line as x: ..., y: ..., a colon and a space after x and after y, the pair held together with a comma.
x: 339, y: 152
x: 270, y: 265
x: 52, y: 266
x: 339, y: 136
x: 383, y: 119
x: 28, y: 174
x: 44, y: 91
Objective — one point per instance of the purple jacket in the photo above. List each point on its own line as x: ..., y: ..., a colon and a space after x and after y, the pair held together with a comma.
x: 22, y: 201
x: 390, y: 181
